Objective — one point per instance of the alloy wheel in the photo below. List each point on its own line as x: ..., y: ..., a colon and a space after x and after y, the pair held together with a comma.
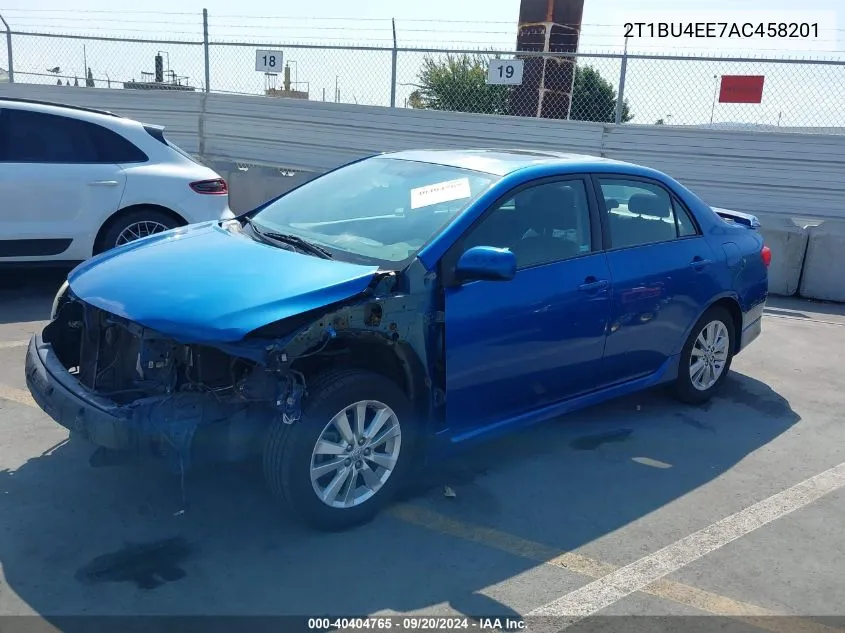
x: 137, y: 230
x: 709, y: 355
x: 355, y: 454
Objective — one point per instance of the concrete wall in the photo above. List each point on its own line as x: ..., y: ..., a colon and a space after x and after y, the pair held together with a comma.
x: 253, y: 185
x: 777, y: 176
x: 788, y: 241
x: 823, y: 276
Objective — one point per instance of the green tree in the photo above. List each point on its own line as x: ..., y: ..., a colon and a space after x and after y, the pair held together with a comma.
x: 458, y: 83
x: 594, y: 99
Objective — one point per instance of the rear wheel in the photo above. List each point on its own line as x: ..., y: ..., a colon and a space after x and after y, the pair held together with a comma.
x: 348, y: 454
x: 706, y: 357
x: 135, y: 225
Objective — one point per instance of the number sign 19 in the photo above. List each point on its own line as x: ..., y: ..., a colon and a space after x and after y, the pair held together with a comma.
x: 268, y: 61
x: 505, y: 71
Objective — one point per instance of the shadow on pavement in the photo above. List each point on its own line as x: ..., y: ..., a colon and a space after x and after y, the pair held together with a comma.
x: 118, y: 540
x: 27, y: 294
x: 799, y: 307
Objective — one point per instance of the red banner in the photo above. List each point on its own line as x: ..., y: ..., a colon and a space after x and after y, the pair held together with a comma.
x: 741, y: 89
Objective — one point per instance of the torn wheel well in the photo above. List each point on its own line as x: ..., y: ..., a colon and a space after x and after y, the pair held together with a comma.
x: 397, y: 361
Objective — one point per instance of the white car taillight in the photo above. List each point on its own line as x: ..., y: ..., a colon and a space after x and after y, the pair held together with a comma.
x: 215, y: 187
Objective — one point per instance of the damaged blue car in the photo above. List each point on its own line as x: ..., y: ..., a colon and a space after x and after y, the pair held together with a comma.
x: 394, y: 310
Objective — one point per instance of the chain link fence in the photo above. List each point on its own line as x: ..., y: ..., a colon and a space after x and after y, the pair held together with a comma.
x: 798, y: 95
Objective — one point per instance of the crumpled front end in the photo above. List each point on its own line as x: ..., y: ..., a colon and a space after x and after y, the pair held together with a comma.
x: 125, y: 387
x: 128, y: 387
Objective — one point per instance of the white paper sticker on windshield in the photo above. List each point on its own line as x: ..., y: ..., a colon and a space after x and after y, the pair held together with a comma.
x: 440, y: 192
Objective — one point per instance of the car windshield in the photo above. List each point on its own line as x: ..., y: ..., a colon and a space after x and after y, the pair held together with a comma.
x: 380, y: 210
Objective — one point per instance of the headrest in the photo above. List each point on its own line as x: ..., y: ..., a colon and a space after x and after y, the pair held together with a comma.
x: 647, y: 203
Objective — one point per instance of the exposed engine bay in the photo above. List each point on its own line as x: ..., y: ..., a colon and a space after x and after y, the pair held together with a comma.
x: 194, y: 401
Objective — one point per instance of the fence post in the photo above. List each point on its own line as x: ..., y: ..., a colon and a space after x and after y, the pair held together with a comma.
x: 11, y: 67
x: 394, y: 59
x: 623, y: 71
x: 205, y: 49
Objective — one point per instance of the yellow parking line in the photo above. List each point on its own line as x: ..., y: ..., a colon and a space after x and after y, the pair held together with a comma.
x: 502, y: 541
x: 668, y: 589
x: 16, y: 395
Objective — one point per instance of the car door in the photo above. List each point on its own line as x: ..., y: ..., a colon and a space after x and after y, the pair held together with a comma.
x: 663, y: 271
x: 513, y: 346
x: 55, y: 185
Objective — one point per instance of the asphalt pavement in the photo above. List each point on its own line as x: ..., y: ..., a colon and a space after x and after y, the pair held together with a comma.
x: 640, y: 507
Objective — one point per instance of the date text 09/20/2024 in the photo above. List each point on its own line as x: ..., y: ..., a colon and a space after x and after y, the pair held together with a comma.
x: 744, y: 30
x: 416, y: 623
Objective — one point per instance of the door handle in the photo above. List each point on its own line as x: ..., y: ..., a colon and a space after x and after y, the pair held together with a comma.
x: 698, y: 263
x: 104, y: 183
x: 592, y: 284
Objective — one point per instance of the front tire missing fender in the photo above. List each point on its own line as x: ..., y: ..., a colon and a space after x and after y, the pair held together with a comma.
x: 348, y: 455
x: 706, y: 357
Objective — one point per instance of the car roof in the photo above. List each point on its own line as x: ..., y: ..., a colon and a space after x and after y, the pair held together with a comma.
x: 501, y: 162
x: 93, y: 115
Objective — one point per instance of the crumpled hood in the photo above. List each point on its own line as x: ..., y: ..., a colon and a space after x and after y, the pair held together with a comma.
x: 202, y: 283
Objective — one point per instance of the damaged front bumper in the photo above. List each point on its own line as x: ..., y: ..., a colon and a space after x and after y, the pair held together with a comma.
x: 78, y: 410
x: 179, y: 427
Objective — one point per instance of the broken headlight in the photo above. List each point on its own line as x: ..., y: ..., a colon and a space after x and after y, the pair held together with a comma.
x: 61, y: 296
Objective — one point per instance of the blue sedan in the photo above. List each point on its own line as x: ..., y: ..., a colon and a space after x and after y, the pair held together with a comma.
x: 393, y: 311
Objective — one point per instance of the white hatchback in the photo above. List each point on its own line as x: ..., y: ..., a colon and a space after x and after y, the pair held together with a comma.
x: 75, y: 182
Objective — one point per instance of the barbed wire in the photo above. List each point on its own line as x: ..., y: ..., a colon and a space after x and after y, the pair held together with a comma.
x: 264, y: 18
x: 453, y: 46
x: 281, y: 37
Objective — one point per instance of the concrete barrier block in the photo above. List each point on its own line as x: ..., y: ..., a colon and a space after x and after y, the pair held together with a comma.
x: 788, y: 243
x: 822, y: 278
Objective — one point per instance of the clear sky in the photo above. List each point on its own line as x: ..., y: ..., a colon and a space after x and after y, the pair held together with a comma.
x: 655, y: 89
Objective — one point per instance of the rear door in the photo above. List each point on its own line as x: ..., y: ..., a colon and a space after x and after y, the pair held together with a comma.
x: 664, y: 273
x: 57, y: 183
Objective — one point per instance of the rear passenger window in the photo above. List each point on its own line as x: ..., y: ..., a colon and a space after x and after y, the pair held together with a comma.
x: 35, y: 137
x: 113, y: 148
x: 643, y: 213
x: 686, y: 226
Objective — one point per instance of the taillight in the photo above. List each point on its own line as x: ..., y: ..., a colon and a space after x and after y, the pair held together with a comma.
x: 766, y: 254
x: 216, y: 186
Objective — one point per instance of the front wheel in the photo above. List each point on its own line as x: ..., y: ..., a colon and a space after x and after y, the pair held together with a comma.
x: 706, y: 357
x: 348, y: 454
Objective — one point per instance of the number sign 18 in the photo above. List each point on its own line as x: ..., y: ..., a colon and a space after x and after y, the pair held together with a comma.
x: 505, y: 71
x: 268, y: 61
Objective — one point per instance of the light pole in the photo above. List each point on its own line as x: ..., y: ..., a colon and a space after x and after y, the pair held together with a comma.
x: 295, y: 73
x: 715, y: 93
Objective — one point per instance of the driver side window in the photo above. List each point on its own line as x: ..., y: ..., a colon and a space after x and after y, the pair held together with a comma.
x: 543, y: 224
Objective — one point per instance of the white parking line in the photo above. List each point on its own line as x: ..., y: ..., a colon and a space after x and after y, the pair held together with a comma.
x: 10, y: 344
x: 648, y: 461
x: 605, y: 591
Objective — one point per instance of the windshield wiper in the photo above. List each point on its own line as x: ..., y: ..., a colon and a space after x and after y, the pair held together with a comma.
x: 295, y: 240
x: 292, y: 240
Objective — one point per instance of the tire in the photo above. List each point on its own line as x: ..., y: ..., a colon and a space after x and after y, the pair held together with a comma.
x: 289, y: 451
x: 692, y: 391
x: 153, y: 218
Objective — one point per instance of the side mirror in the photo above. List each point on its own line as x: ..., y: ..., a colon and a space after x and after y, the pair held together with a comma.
x: 486, y: 263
